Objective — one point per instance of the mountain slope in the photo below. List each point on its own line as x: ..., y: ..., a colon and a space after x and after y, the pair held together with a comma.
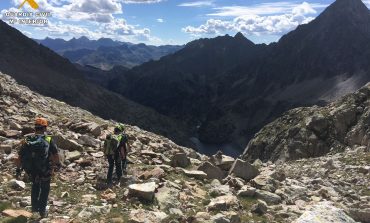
x: 230, y: 87
x: 48, y: 73
x: 314, y: 131
x: 60, y: 45
x: 106, y: 53
x: 166, y: 182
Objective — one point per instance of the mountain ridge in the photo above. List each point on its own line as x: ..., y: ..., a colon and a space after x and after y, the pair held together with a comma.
x: 46, y: 72
x: 233, y: 89
x: 106, y: 53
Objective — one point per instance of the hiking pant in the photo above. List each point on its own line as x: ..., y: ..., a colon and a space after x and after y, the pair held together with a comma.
x: 39, y: 195
x: 114, y: 160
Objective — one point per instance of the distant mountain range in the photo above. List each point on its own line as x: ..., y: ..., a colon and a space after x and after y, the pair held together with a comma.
x: 106, y: 53
x: 46, y: 72
x: 227, y: 88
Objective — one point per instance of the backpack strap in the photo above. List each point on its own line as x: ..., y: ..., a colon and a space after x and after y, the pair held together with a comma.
x: 119, y: 138
x: 48, y: 139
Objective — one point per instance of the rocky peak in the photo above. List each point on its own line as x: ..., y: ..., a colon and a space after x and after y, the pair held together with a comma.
x: 354, y: 10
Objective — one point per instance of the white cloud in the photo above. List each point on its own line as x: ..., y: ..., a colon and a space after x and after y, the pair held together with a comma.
x: 262, y: 9
x: 256, y: 24
x: 367, y: 2
x: 160, y: 20
x: 197, y: 4
x: 141, y: 1
x: 117, y: 30
x: 95, y: 19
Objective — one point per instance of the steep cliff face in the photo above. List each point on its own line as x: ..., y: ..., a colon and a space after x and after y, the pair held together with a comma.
x: 315, y: 131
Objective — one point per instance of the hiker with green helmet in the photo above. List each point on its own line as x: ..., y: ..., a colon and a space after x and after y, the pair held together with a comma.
x: 115, y: 149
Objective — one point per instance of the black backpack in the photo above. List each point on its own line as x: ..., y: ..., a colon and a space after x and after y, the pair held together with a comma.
x: 35, y: 154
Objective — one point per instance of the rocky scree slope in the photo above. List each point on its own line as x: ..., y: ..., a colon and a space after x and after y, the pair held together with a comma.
x: 315, y: 131
x: 166, y: 182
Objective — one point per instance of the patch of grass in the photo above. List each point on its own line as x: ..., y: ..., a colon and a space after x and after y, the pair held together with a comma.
x: 366, y: 192
x: 4, y: 205
x: 247, y: 204
x: 20, y: 219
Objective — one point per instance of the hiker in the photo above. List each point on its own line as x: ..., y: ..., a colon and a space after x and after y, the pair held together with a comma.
x: 38, y: 157
x: 116, y: 148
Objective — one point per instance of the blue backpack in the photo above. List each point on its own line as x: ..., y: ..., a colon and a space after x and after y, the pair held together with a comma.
x: 35, y: 154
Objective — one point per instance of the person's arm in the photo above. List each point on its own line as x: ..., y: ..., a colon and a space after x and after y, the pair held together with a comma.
x: 123, y: 146
x: 54, y: 154
x: 17, y: 161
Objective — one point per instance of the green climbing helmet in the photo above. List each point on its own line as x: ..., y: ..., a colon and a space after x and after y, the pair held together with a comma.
x: 120, y: 127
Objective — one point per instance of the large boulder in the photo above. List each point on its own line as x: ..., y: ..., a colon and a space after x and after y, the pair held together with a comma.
x: 88, y: 141
x: 143, y: 191
x: 244, y: 170
x: 324, y: 212
x: 66, y: 144
x: 212, y: 171
x: 222, y: 161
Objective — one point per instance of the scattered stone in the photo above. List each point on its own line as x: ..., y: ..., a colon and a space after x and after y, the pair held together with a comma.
x: 6, y: 148
x: 17, y: 184
x: 98, y: 154
x: 324, y: 212
x: 109, y: 195
x: 87, y: 212
x: 157, y: 173
x: 180, y: 160
x: 222, y: 203
x: 259, y: 208
x: 16, y: 213
x: 200, y: 175
x: 144, y: 191
x: 177, y: 212
x: 244, y: 170
x: 268, y: 197
x: 247, y: 191
x: 71, y: 156
x: 360, y: 214
x: 167, y: 197
x: 145, y: 216
x: 213, y: 172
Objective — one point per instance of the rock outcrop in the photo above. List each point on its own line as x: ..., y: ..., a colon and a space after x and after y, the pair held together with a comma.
x: 315, y: 131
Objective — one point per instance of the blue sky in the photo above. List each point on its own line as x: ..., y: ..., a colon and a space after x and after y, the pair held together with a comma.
x: 168, y: 21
